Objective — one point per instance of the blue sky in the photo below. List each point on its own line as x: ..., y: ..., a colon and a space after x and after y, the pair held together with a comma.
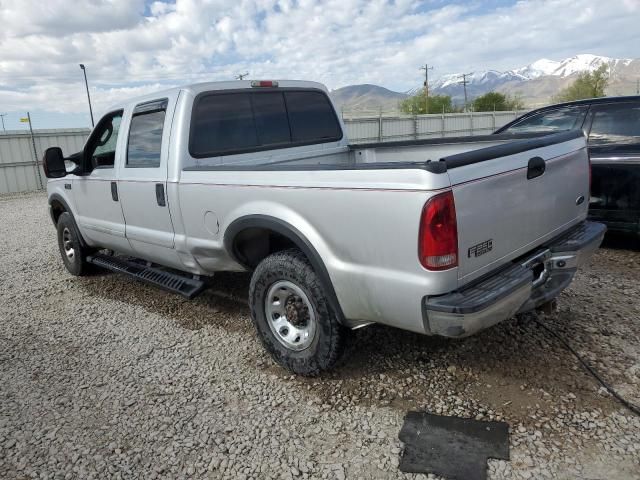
x: 131, y: 47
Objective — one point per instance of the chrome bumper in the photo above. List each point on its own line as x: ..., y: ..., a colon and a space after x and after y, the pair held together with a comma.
x: 519, y: 287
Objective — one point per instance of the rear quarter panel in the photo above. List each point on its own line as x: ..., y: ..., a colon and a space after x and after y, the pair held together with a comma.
x: 363, y: 224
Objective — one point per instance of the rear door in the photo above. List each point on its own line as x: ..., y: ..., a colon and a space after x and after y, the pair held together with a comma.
x: 614, y: 145
x: 509, y: 205
x: 143, y: 176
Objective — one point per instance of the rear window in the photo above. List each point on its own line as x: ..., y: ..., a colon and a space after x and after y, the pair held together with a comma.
x: 311, y: 117
x: 616, y: 124
x: 240, y: 122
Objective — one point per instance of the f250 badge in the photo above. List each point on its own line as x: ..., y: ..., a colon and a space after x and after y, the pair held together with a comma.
x: 480, y: 248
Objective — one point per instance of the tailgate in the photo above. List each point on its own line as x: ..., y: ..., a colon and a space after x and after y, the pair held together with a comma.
x: 514, y: 197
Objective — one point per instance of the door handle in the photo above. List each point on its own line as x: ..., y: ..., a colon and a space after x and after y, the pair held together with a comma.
x: 114, y: 191
x: 160, y: 195
x: 536, y: 167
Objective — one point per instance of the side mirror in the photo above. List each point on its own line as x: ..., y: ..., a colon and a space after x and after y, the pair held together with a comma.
x: 53, y: 163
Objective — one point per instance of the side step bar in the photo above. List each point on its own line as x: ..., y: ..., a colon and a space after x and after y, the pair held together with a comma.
x: 183, y: 285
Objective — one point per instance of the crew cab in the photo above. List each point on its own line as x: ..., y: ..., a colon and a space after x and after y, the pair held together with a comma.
x: 612, y: 126
x: 440, y: 237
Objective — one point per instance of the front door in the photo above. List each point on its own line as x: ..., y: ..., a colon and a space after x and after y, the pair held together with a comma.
x: 99, y: 214
x: 143, y: 178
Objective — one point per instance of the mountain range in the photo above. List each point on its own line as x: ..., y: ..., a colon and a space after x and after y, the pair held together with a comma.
x: 535, y: 83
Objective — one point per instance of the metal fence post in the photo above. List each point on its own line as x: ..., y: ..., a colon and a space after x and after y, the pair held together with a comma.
x: 415, y: 127
x: 380, y: 125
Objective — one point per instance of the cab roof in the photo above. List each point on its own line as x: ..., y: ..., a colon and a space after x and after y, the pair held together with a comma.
x: 196, y: 88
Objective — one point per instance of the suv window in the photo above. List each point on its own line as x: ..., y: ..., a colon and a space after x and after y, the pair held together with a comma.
x: 619, y: 123
x: 102, y: 152
x: 564, y: 118
x: 145, y: 135
x: 239, y: 122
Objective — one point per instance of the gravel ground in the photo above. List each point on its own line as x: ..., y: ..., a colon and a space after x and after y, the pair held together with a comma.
x: 102, y: 377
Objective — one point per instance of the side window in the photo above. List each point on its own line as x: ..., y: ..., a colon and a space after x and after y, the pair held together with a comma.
x: 311, y: 117
x: 619, y: 124
x: 565, y: 118
x: 145, y: 135
x: 102, y: 147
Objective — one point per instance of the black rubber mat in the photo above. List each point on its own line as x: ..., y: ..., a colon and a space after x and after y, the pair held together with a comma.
x: 452, y: 447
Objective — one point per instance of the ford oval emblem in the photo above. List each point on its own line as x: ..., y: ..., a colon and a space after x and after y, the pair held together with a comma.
x: 580, y: 200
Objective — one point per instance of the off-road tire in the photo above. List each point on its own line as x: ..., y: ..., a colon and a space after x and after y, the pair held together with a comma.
x: 68, y: 237
x: 330, y: 335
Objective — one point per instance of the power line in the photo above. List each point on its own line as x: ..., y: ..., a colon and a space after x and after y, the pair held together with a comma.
x: 426, y: 69
x: 117, y: 79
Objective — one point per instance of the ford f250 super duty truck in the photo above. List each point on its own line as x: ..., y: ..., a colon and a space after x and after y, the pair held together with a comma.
x: 441, y: 237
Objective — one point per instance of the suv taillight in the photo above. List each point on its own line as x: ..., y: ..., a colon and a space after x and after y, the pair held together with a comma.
x: 590, y: 176
x: 438, y: 237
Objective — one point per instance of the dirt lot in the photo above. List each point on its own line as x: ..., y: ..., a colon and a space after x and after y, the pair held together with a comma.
x: 102, y: 377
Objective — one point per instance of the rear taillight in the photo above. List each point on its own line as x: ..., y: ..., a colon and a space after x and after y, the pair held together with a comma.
x: 438, y: 238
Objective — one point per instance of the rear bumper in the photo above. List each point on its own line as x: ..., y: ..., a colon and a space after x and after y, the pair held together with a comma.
x: 524, y: 285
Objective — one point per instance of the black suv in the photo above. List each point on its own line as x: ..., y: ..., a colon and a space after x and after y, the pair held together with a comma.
x: 612, y: 125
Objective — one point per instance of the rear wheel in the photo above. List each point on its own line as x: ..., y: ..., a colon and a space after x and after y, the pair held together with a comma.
x: 292, y: 315
x: 72, y: 252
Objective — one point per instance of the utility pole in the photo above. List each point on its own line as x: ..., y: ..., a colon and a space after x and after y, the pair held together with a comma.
x: 2, y: 115
x: 35, y: 152
x: 464, y: 85
x: 86, y: 84
x: 426, y: 69
x: 637, y: 90
x: 241, y: 76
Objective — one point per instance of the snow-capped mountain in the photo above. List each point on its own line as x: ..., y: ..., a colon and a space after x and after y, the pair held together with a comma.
x: 538, y: 68
x: 535, y: 84
x: 484, y: 81
x: 488, y: 78
x: 569, y: 66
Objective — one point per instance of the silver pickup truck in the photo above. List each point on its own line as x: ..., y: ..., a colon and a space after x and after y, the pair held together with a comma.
x: 440, y: 237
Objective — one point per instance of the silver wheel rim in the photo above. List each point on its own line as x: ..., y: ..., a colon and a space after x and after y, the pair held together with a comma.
x: 290, y: 315
x: 67, y: 244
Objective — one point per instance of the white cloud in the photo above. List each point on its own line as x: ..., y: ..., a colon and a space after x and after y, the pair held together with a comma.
x: 337, y: 42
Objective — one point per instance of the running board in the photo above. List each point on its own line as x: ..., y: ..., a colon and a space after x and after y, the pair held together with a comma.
x: 183, y: 285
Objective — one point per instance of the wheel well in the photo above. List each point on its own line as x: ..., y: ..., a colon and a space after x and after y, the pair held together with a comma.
x: 57, y: 209
x: 252, y: 238
x: 253, y: 244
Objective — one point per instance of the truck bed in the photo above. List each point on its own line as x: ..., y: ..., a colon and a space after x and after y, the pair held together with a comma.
x: 424, y: 154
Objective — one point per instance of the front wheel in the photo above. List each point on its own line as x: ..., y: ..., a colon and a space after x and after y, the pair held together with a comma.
x: 292, y: 315
x: 72, y: 252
